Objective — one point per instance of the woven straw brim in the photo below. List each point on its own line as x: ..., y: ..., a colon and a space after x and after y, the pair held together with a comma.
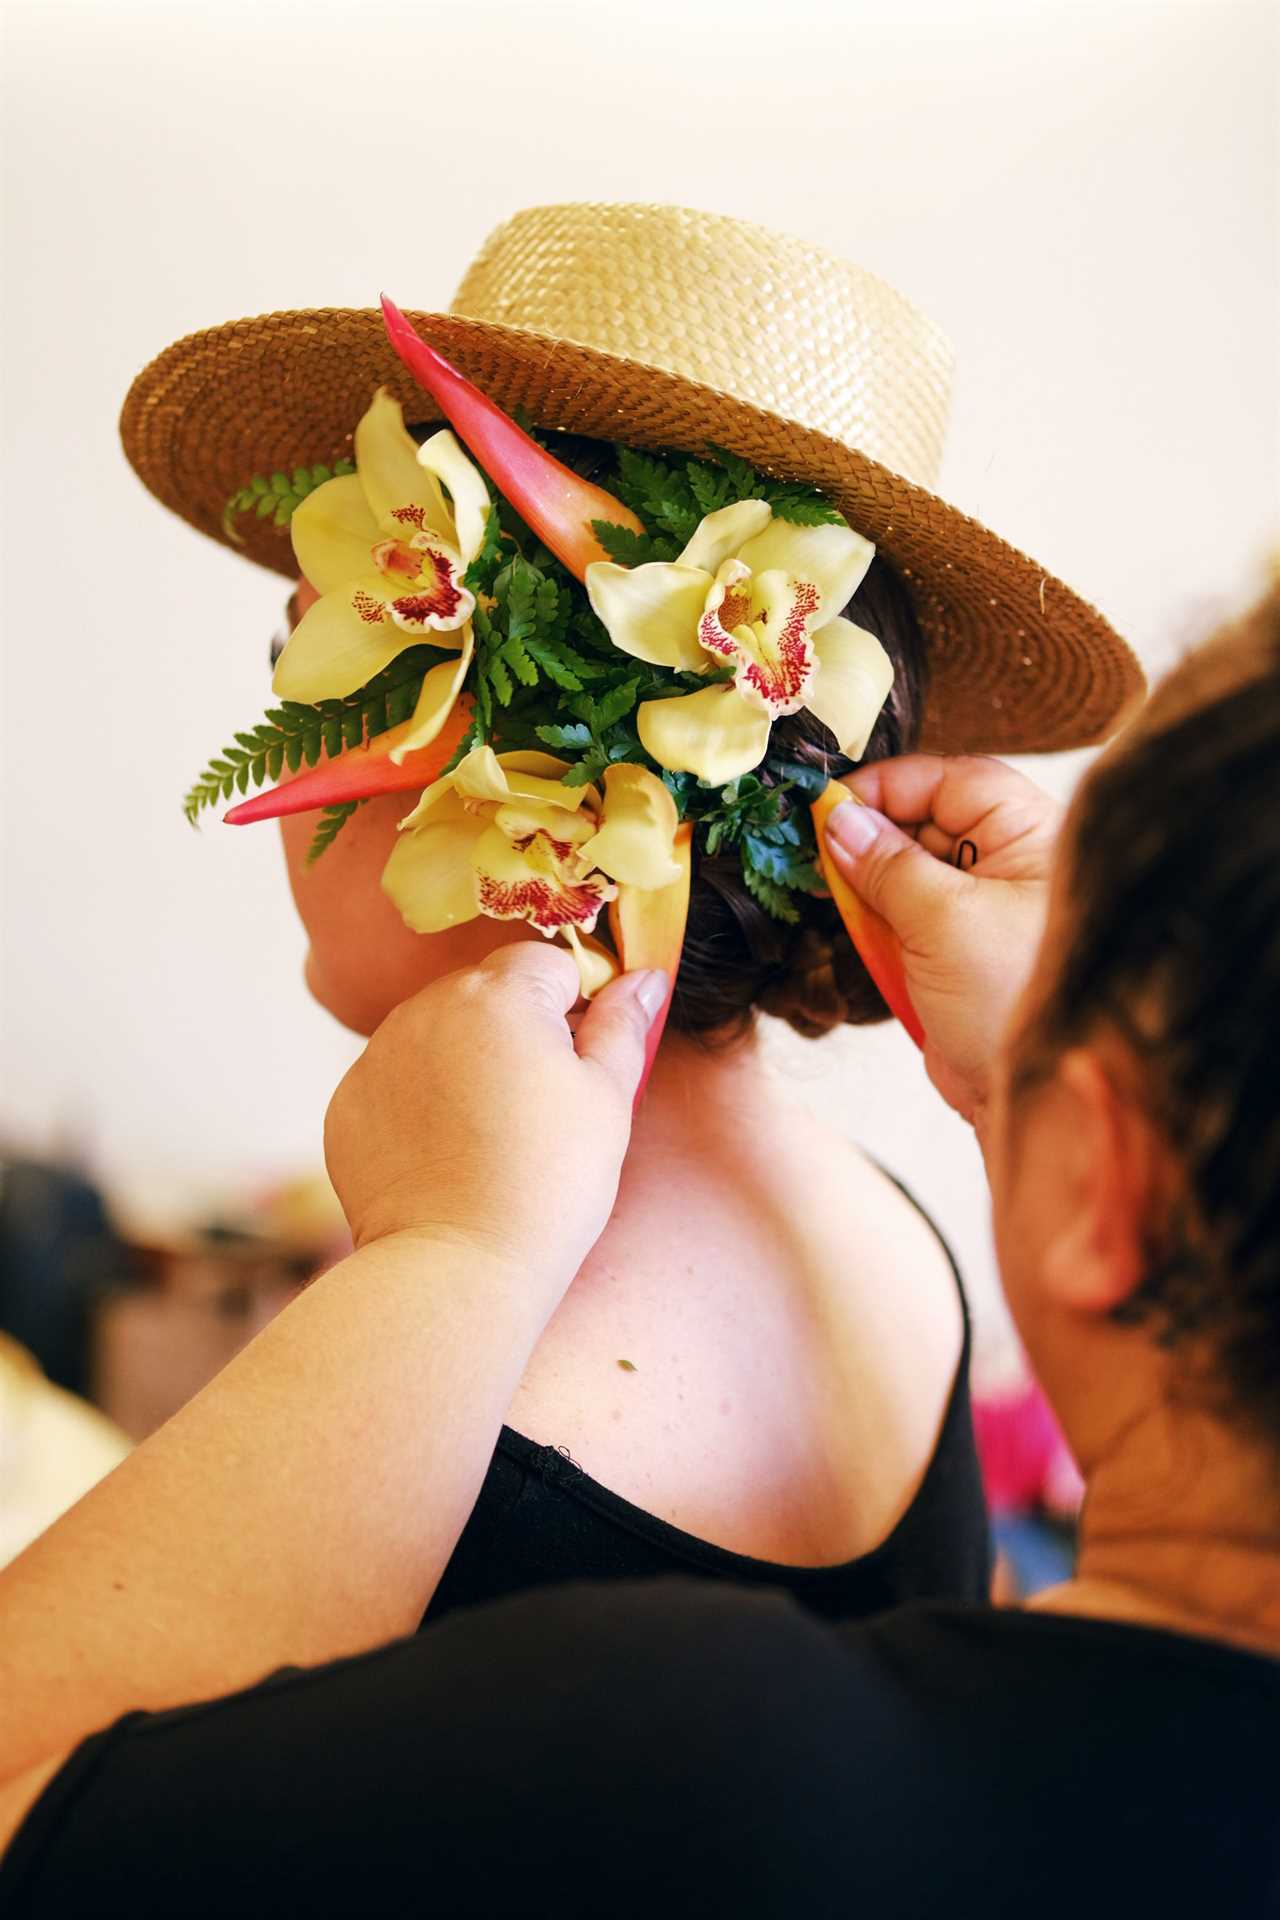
x: 1018, y: 662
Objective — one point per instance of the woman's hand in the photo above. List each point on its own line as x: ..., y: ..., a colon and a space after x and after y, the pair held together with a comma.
x: 475, y: 1114
x: 319, y: 1484
x: 955, y: 854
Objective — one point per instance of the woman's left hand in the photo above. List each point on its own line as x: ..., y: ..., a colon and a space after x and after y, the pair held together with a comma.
x: 475, y: 1113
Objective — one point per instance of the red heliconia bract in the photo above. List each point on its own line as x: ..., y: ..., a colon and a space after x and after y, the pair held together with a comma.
x: 557, y: 503
x: 360, y: 773
x: 648, y: 930
x: 874, y: 940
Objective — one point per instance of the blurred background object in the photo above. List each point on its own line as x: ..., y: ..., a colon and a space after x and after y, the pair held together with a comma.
x: 53, y: 1447
x: 111, y: 1318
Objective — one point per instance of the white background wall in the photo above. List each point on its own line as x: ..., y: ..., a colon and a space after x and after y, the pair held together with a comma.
x: 1084, y: 196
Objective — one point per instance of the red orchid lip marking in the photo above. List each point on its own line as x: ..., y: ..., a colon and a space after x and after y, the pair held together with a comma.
x: 545, y: 905
x: 556, y: 502
x: 781, y: 681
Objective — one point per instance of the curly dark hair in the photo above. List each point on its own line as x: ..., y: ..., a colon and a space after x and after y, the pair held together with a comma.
x: 1172, y: 867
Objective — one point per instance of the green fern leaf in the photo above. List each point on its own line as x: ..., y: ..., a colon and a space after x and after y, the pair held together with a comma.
x: 743, y: 477
x: 622, y: 546
x: 560, y: 664
x: 804, y: 509
x: 586, y: 770
x: 332, y: 821
x: 560, y: 737
x: 774, y: 899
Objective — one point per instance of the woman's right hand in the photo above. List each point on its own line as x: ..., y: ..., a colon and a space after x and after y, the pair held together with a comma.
x: 955, y: 854
x: 476, y: 1116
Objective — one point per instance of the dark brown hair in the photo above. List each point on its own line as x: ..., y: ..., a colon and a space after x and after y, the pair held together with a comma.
x: 737, y: 958
x: 1172, y: 872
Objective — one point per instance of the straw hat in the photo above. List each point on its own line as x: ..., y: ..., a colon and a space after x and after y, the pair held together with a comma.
x: 662, y: 327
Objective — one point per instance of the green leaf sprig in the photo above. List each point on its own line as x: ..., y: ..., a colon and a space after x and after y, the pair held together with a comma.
x: 332, y: 821
x: 295, y: 732
x: 546, y: 674
x: 278, y: 495
x: 671, y: 496
x: 774, y: 837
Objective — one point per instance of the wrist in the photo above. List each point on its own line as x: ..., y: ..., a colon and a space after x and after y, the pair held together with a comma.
x: 488, y: 1259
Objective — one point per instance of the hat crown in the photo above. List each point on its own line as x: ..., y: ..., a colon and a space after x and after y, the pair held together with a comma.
x: 773, y: 321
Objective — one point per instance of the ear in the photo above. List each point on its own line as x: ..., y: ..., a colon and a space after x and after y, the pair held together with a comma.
x: 1110, y: 1173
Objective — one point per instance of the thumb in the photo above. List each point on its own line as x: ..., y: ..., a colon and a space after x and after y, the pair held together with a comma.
x: 890, y: 872
x: 615, y: 1030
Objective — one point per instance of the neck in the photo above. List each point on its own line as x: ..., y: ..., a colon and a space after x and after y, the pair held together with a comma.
x: 705, y: 1115
x: 1181, y: 1529
x: 696, y: 1088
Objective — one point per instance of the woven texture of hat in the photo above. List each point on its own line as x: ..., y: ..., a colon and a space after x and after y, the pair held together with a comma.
x: 781, y: 324
x: 1017, y: 661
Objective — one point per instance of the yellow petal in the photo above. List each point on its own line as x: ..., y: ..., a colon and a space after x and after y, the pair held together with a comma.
x: 442, y: 456
x: 834, y: 558
x: 339, y: 643
x: 715, y: 734
x: 394, y: 484
x: 638, y: 828
x: 441, y: 802
x: 531, y: 883
x: 520, y: 819
x: 596, y: 965
x: 545, y: 766
x: 484, y: 775
x: 772, y: 653
x: 652, y: 612
x: 431, y: 874
x: 533, y: 776
x: 479, y: 776
x: 539, y: 777
x: 850, y: 685
x: 334, y: 534
x: 721, y: 533
x: 440, y: 689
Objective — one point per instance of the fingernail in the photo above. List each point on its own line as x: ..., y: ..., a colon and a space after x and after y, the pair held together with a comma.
x: 852, y: 827
x: 651, y: 990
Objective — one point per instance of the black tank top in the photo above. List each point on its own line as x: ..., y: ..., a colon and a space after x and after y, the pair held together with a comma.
x: 540, y: 1520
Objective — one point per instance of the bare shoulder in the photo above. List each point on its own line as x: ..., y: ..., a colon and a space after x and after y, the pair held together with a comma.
x: 879, y: 1230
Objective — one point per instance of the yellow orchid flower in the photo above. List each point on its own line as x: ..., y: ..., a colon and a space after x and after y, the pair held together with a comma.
x: 386, y: 549
x: 763, y: 596
x: 501, y: 835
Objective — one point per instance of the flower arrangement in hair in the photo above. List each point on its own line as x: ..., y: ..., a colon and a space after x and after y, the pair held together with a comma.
x: 582, y: 680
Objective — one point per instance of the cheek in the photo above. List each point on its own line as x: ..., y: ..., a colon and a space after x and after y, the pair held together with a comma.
x: 362, y: 959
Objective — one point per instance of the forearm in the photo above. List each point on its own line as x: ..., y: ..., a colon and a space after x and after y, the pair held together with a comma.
x: 301, y: 1507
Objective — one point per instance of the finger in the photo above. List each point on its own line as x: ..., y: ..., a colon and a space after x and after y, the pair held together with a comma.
x: 948, y: 801
x: 614, y: 1031
x: 958, y: 850
x: 893, y: 874
x: 537, y: 972
x: 941, y: 845
x: 954, y: 791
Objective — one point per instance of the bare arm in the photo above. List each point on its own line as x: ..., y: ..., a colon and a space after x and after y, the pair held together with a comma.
x: 303, y: 1506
